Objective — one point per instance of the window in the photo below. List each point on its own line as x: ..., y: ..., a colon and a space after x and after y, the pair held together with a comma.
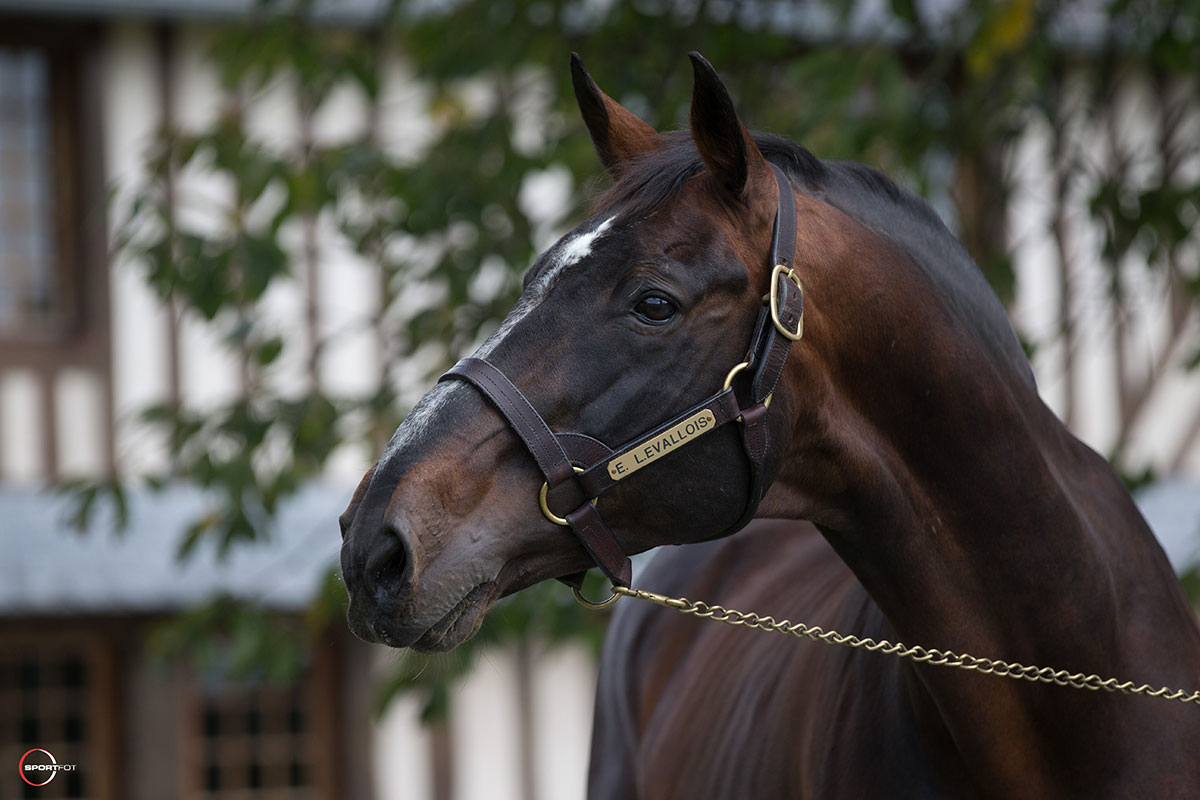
x: 256, y: 740
x: 53, y: 698
x: 254, y: 743
x: 54, y: 283
x: 34, y: 297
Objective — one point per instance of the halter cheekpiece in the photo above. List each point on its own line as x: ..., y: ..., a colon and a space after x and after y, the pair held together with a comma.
x: 578, y: 468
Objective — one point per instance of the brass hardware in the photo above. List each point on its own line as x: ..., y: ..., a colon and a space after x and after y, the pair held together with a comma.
x: 550, y: 515
x: 583, y: 601
x: 918, y: 654
x: 789, y: 274
x: 729, y: 378
x: 729, y: 381
x: 666, y: 442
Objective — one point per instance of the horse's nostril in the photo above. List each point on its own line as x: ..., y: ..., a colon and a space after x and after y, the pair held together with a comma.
x: 392, y: 571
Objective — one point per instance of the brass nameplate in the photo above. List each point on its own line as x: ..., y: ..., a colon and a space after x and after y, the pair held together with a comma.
x: 668, y: 441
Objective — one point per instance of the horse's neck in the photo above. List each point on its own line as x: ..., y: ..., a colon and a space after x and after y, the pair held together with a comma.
x: 994, y: 532
x: 979, y: 525
x: 1019, y: 535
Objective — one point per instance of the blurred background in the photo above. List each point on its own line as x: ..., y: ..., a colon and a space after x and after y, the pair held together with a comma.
x: 239, y: 239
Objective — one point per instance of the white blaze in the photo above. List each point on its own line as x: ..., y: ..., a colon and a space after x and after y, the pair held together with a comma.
x: 568, y: 252
x: 575, y: 250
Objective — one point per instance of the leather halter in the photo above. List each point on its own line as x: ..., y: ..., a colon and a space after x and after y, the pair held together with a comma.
x: 578, y: 468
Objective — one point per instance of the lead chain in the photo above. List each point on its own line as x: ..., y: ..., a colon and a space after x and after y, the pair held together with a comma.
x: 918, y: 654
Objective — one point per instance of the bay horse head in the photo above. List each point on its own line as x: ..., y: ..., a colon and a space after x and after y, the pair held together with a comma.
x: 629, y: 321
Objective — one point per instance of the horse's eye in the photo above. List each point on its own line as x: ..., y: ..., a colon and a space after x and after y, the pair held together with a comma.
x: 654, y: 308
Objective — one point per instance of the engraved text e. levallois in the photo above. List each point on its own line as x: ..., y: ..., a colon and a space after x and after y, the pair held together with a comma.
x: 668, y: 441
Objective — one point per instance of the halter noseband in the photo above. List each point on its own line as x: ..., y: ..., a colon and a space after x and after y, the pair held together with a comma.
x: 578, y: 468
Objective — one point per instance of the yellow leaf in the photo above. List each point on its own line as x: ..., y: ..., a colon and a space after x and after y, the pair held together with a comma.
x: 1005, y: 29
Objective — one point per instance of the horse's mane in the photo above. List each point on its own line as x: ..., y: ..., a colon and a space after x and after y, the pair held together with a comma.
x: 863, y: 193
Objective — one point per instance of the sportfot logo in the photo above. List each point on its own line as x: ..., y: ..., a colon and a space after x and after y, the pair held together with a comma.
x: 38, y: 767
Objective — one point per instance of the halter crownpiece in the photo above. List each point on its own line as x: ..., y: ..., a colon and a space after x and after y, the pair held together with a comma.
x: 579, y: 468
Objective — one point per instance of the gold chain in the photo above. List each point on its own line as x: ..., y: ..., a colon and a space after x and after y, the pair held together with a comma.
x: 921, y: 655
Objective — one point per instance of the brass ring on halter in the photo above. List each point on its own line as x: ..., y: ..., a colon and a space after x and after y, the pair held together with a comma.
x: 583, y: 601
x: 789, y: 274
x: 550, y: 515
x: 729, y: 378
x: 729, y: 381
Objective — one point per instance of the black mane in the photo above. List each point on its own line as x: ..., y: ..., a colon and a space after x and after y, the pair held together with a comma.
x: 861, y: 192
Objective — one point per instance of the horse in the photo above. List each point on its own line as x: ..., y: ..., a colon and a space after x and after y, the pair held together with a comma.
x: 865, y: 380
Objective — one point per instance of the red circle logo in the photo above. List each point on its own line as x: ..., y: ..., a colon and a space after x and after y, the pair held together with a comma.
x: 21, y: 768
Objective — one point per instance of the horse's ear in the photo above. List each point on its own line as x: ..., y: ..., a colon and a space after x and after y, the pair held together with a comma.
x: 617, y: 133
x: 724, y: 143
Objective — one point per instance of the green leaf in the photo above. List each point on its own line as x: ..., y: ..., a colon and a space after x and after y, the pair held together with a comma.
x: 1190, y: 580
x: 267, y: 351
x: 195, y: 533
x: 1193, y: 361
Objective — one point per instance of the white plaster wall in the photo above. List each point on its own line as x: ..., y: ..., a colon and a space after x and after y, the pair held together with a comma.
x: 484, y: 714
x: 139, y: 322
x: 405, y: 130
x: 564, y: 686
x: 208, y: 373
x: 21, y: 426
x: 1036, y: 308
x: 400, y: 753
x: 78, y: 404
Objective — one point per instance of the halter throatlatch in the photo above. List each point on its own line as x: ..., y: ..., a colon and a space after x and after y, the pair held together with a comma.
x: 578, y: 469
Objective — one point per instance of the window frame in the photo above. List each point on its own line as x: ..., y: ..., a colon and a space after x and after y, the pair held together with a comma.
x: 81, y: 336
x: 103, y: 703
x: 317, y: 689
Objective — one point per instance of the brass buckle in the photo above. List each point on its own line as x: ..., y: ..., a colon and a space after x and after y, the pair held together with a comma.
x: 791, y: 275
x: 583, y: 601
x: 550, y: 515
